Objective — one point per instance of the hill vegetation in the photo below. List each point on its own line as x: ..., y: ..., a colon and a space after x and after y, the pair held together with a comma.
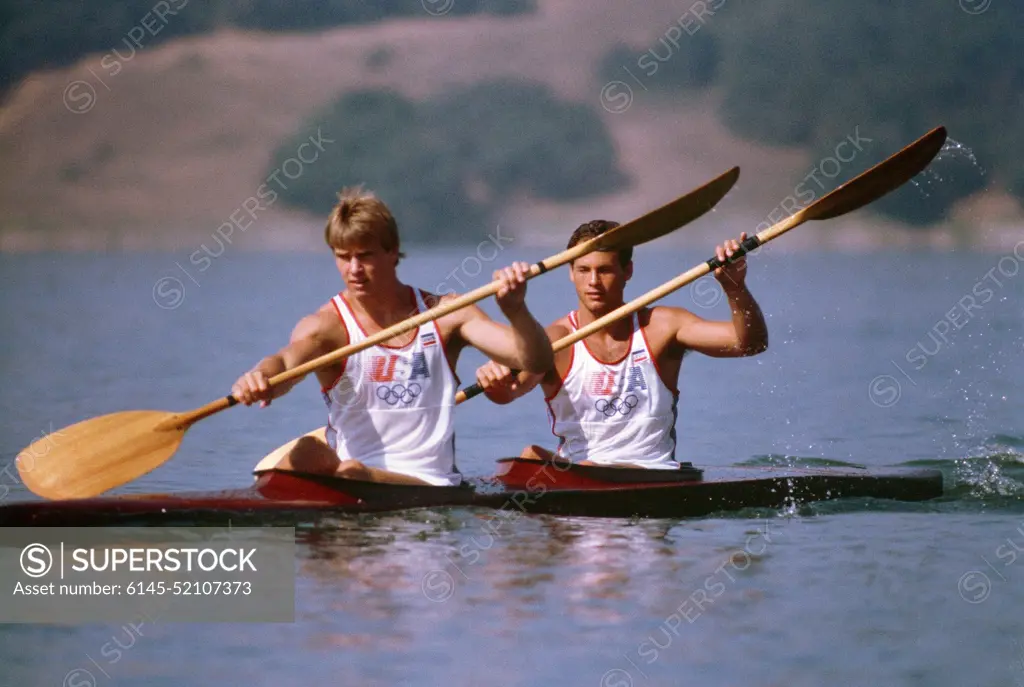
x: 812, y: 74
x: 54, y: 33
x: 449, y: 163
x: 458, y: 116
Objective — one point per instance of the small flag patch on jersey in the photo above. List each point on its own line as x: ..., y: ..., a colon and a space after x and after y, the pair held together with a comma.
x: 429, y: 339
x: 639, y: 356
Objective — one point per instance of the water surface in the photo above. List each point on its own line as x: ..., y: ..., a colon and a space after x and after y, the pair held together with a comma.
x: 860, y: 370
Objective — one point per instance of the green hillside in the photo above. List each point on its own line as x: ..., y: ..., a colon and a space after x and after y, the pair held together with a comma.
x: 845, y: 81
x: 814, y: 74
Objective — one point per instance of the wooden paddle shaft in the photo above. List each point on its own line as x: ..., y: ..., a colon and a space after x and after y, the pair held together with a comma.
x: 654, y: 224
x: 854, y: 194
x: 605, y: 320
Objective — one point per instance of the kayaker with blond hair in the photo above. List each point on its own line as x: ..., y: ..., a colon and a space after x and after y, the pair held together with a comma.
x: 390, y: 407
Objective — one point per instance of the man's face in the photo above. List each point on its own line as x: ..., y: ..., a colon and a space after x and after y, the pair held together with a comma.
x: 364, y: 265
x: 600, y: 280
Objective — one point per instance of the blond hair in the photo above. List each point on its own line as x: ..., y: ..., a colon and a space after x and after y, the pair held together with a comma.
x: 360, y: 217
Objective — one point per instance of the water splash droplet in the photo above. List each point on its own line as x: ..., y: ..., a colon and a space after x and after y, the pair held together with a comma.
x: 953, y: 151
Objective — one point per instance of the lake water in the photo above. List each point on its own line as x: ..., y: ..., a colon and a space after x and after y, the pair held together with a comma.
x: 878, y: 359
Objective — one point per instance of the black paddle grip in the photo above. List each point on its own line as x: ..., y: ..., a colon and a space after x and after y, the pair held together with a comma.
x: 476, y: 389
x: 749, y: 244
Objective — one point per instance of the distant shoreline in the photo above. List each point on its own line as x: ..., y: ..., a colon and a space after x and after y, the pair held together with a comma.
x: 842, y: 235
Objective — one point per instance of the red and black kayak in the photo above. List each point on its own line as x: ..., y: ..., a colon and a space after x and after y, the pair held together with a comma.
x: 528, y: 486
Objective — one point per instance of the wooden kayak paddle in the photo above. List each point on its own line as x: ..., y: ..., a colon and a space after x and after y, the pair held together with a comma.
x: 90, y: 457
x: 869, y: 186
x: 865, y: 188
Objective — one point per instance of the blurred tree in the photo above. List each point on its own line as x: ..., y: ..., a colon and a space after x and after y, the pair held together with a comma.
x: 794, y: 74
x: 54, y: 33
x: 672, y: 62
x: 287, y: 15
x: 515, y: 136
x: 446, y: 165
x: 381, y: 141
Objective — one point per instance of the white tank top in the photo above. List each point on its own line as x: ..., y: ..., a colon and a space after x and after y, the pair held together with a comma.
x: 393, y: 408
x: 618, y: 412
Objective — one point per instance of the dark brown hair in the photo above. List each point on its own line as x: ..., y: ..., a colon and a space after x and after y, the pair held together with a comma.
x: 593, y: 229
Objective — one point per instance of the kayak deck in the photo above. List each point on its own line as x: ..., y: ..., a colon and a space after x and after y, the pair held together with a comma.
x: 526, y: 485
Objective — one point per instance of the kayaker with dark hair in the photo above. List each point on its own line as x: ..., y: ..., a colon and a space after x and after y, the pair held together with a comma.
x: 391, y: 406
x: 612, y: 397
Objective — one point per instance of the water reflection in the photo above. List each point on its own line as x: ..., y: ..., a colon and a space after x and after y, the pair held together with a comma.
x: 393, y: 569
x: 359, y: 571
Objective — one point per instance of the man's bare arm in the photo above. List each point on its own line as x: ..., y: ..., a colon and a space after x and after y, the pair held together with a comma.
x: 502, y: 387
x: 523, y: 345
x: 745, y: 334
x: 311, y: 338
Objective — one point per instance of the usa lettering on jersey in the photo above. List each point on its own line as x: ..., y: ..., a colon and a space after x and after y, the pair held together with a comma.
x: 636, y: 379
x: 385, y: 369
x: 603, y: 383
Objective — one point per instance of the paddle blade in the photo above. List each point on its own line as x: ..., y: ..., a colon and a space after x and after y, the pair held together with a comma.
x: 669, y: 217
x: 884, y: 177
x: 93, y: 456
x: 275, y: 456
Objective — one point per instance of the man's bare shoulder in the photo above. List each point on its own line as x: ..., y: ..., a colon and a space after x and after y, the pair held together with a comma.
x: 662, y: 324
x: 559, y: 329
x: 451, y: 323
x: 433, y: 300
x: 668, y: 316
x: 325, y: 324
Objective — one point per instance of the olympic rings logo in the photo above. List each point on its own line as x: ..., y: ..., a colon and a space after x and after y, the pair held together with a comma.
x: 399, y: 392
x: 622, y: 406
